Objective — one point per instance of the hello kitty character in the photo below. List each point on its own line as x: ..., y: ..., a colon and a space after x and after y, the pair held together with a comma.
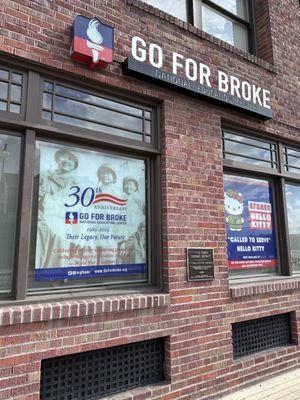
x: 234, y: 207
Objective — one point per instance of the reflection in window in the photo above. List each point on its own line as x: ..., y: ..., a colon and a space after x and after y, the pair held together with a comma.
x: 177, y: 8
x: 292, y: 195
x: 10, y: 91
x: 79, y: 108
x: 291, y: 160
x: 236, y: 7
x: 9, y: 180
x: 223, y: 28
x: 251, y: 151
x: 227, y: 20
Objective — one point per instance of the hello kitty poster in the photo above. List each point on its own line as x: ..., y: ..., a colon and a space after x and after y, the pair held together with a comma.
x: 251, y: 237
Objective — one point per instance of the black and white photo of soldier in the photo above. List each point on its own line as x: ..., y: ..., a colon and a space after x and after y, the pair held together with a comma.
x: 133, y: 249
x: 107, y: 178
x: 54, y: 187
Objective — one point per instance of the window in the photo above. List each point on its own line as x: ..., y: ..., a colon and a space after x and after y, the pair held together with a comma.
x: 11, y: 90
x: 91, y: 218
x: 177, y: 8
x: 84, y: 182
x: 228, y: 20
x: 261, y: 191
x: 10, y: 147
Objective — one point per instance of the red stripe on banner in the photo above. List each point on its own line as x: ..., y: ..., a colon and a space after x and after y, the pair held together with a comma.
x: 109, y: 198
x: 253, y: 264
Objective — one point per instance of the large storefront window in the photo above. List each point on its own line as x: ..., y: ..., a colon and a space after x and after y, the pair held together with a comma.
x: 292, y: 193
x: 262, y: 197
x: 91, y: 218
x: 79, y: 178
x: 9, y: 183
x: 251, y: 235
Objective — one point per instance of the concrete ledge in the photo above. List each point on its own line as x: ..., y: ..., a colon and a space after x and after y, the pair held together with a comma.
x: 78, y: 308
x: 256, y: 288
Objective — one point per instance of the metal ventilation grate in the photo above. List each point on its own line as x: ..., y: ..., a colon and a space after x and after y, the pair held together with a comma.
x: 98, y: 373
x: 256, y: 335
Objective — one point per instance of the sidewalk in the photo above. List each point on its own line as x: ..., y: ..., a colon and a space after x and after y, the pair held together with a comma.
x: 283, y: 387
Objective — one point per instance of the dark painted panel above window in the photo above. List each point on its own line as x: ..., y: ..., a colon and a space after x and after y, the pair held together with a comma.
x: 11, y: 91
x: 86, y: 110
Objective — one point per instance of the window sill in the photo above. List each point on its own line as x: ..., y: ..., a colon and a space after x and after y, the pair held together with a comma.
x: 27, y: 313
x: 156, y: 390
x: 203, y: 35
x: 274, y: 284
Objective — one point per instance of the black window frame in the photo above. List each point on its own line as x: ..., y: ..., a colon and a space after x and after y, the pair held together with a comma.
x: 250, y: 24
x: 280, y: 177
x: 31, y: 127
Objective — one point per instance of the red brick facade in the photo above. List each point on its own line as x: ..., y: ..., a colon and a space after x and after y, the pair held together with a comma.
x: 195, y: 317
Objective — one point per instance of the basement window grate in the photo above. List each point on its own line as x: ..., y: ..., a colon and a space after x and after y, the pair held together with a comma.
x: 261, y: 334
x: 102, y: 372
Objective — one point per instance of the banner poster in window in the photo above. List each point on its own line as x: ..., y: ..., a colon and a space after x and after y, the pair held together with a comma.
x: 251, y: 239
x: 91, y: 215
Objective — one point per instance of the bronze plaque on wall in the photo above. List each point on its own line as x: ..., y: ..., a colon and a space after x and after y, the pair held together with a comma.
x: 200, y: 264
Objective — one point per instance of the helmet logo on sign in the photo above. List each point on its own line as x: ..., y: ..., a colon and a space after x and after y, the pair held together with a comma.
x: 92, y: 42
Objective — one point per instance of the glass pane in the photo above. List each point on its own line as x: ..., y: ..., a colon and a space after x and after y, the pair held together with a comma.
x: 96, y: 100
x: 244, y: 159
x: 3, y: 106
x: 250, y: 228
x: 47, y: 100
x: 247, y: 150
x: 148, y: 114
x: 240, y: 148
x: 16, y: 78
x: 4, y: 90
x: 236, y: 7
x: 223, y: 28
x: 293, y: 152
x: 292, y: 195
x: 148, y: 127
x: 293, y: 162
x: 245, y: 139
x: 93, y: 113
x: 15, y: 93
x: 96, y: 127
x: 15, y: 108
x: 240, y: 35
x: 4, y: 74
x: 90, y: 210
x: 48, y: 86
x: 177, y: 8
x: 9, y: 181
x: 47, y: 115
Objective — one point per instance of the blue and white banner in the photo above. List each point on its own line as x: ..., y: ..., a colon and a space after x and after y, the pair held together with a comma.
x: 91, y: 214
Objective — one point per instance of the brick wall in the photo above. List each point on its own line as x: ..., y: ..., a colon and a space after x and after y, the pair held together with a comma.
x: 194, y: 316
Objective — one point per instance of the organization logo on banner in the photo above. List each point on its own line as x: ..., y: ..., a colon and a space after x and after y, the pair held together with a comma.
x: 71, y: 218
x: 92, y: 42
